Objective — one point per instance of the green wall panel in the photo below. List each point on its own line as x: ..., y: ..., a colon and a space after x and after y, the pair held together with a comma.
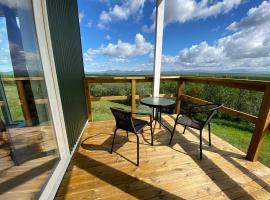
x: 66, y: 43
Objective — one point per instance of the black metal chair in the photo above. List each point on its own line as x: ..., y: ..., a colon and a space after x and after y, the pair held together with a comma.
x: 191, y: 119
x: 2, y: 126
x: 125, y: 121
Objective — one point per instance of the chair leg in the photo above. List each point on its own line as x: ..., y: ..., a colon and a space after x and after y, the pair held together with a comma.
x: 184, y: 129
x: 152, y: 135
x: 137, y: 150
x: 172, y: 133
x: 200, y: 144
x: 209, y: 133
x: 113, y: 139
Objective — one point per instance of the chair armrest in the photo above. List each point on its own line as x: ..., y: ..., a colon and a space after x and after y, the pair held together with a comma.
x: 216, y: 106
x: 191, y: 114
x: 198, y: 106
x: 139, y: 113
x: 182, y: 113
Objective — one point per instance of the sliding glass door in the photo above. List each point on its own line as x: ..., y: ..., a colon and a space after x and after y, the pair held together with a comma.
x: 29, y: 151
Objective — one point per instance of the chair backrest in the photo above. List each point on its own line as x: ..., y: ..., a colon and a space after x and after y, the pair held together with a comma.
x: 212, y: 112
x: 2, y: 126
x: 123, y: 119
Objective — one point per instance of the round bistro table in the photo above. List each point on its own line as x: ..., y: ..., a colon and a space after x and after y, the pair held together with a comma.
x: 158, y: 103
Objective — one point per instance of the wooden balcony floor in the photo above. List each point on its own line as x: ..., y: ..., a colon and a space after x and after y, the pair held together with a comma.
x: 165, y: 172
x: 35, y: 151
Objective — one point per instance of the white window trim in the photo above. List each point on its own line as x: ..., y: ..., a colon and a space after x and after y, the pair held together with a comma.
x: 46, y: 53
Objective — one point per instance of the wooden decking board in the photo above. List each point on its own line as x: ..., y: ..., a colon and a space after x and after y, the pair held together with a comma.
x: 27, y: 178
x: 164, y: 172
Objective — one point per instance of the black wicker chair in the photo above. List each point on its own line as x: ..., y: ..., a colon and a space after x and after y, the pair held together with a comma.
x: 125, y: 121
x: 2, y: 126
x: 191, y: 119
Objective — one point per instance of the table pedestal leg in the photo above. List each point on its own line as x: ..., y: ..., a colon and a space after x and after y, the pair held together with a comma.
x: 159, y: 118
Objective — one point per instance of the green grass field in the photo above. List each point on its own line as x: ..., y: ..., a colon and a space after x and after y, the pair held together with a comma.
x: 13, y: 101
x: 237, y: 134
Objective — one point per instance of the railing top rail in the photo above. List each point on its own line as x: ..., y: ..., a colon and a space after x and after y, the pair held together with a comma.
x: 129, y: 77
x: 109, y: 79
x: 257, y: 85
x: 37, y: 78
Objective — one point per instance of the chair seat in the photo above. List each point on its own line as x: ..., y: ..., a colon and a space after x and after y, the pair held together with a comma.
x: 187, y: 121
x: 139, y: 124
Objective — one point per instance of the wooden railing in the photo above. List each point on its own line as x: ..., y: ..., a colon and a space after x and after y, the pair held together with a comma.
x: 262, y: 121
x: 22, y: 95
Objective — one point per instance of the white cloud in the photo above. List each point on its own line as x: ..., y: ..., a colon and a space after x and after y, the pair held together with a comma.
x: 149, y: 29
x: 25, y: 5
x: 88, y: 55
x: 107, y: 2
x: 125, y: 50
x: 121, y: 51
x: 4, y: 56
x: 258, y: 16
x: 89, y: 24
x: 4, y: 46
x: 81, y: 16
x: 186, y: 10
x: 119, y: 60
x: 248, y: 47
x: 121, y: 12
x: 181, y: 11
x: 108, y: 37
x: 2, y: 32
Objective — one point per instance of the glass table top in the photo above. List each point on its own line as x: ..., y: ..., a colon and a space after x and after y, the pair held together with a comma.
x: 157, y: 101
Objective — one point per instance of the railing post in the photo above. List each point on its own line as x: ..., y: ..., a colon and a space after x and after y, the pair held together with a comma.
x: 88, y: 100
x: 24, y: 103
x: 179, y: 92
x: 133, y: 95
x: 261, y: 128
x: 160, y: 4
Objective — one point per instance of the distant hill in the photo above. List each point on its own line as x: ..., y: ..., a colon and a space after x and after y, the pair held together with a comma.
x: 245, y: 73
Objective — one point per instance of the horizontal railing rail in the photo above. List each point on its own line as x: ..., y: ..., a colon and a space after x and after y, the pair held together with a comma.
x: 262, y: 121
x: 22, y: 94
x: 226, y: 110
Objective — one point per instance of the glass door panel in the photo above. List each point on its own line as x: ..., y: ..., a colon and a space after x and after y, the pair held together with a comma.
x: 28, y: 147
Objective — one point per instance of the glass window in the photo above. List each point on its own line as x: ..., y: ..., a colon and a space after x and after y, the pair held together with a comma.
x: 28, y: 147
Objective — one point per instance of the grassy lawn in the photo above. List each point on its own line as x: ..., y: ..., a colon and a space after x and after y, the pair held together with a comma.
x: 13, y: 101
x: 237, y: 134
x: 102, y: 112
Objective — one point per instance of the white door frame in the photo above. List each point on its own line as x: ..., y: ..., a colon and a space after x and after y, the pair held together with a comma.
x: 46, y: 53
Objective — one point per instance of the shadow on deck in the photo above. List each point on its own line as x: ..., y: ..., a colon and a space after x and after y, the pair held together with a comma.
x: 165, y: 172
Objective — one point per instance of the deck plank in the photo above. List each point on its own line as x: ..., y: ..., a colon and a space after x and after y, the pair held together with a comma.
x: 165, y: 172
x: 26, y: 178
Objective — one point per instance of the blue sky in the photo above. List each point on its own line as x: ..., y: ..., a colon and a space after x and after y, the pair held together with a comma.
x: 199, y: 36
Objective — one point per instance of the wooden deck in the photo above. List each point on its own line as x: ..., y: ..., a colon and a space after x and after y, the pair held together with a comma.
x: 35, y: 152
x: 165, y: 172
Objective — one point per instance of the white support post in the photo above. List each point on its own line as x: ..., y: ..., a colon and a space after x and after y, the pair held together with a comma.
x: 158, y: 45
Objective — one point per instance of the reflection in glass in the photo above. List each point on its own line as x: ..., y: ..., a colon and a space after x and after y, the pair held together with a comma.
x: 28, y: 148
